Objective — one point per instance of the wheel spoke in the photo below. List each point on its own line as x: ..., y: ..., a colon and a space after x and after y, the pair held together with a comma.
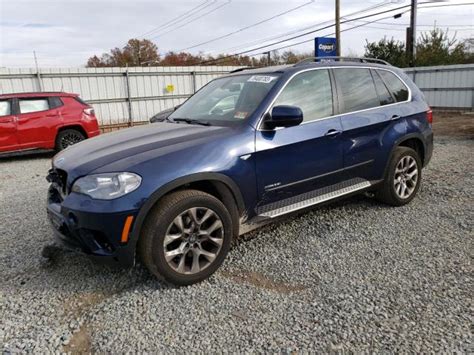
x: 193, y: 214
x: 216, y: 225
x: 208, y: 255
x: 170, y: 255
x: 181, y: 264
x: 178, y: 222
x: 170, y: 238
x: 195, y: 265
x: 206, y: 216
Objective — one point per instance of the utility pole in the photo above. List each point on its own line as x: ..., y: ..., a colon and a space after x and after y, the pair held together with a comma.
x: 38, y: 75
x: 269, y: 58
x: 338, y: 28
x: 411, y: 34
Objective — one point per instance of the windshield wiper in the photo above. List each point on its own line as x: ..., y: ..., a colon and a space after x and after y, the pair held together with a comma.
x: 192, y: 121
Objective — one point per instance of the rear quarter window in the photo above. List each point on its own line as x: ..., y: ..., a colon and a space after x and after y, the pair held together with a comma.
x: 395, y: 85
x: 55, y: 101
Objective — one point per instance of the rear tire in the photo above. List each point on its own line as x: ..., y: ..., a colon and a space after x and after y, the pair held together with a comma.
x: 186, y: 237
x: 67, y: 138
x: 403, y: 178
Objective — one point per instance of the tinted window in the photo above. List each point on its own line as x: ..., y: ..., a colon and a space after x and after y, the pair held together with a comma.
x: 54, y: 102
x: 33, y: 105
x: 384, y: 95
x: 357, y: 89
x: 311, y: 92
x: 395, y: 85
x: 5, y: 108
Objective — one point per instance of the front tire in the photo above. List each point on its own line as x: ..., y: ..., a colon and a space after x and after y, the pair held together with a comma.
x: 403, y: 178
x: 186, y: 237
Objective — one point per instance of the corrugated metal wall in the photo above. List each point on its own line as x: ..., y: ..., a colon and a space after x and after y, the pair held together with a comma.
x: 116, y: 93
x: 145, y: 95
x: 447, y: 86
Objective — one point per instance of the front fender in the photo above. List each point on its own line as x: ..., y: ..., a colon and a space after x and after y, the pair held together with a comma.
x: 163, y: 190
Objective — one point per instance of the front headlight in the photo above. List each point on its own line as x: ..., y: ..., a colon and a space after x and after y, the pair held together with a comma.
x: 107, y: 186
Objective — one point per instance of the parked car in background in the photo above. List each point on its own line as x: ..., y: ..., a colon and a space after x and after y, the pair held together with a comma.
x: 44, y: 120
x: 246, y: 148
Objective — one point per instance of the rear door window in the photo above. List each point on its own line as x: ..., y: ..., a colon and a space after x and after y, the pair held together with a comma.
x: 5, y: 108
x: 395, y: 85
x: 33, y: 105
x: 311, y: 92
x: 384, y: 95
x: 356, y: 89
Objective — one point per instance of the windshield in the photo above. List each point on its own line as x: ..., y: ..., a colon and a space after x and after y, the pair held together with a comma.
x: 226, y: 100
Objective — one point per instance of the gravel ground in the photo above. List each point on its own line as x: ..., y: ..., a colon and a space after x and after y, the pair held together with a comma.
x: 357, y: 276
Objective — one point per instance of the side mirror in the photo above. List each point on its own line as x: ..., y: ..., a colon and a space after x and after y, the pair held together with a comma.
x: 284, y: 116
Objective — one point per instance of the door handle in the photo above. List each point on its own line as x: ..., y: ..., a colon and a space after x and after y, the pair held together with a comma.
x: 396, y: 117
x: 333, y: 133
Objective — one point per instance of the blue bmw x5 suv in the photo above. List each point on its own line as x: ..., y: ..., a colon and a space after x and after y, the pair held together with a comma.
x: 246, y: 148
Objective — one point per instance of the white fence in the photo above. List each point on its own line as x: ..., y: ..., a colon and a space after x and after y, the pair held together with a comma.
x: 447, y: 86
x: 119, y: 95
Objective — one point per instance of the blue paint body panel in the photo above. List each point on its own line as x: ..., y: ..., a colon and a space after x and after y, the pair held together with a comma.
x: 258, y: 166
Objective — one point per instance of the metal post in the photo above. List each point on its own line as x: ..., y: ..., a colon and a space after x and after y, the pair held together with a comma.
x: 412, y: 33
x: 338, y: 28
x: 38, y: 75
x: 129, y: 98
x: 193, y: 79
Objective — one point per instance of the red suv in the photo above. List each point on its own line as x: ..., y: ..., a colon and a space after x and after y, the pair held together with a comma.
x: 44, y: 120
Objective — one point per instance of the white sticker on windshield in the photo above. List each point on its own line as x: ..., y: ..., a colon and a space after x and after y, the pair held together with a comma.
x: 261, y: 79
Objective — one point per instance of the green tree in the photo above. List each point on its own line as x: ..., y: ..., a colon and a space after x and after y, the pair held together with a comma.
x: 436, y: 47
x: 389, y: 50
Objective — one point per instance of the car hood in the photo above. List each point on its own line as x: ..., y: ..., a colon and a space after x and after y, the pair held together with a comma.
x: 158, y: 138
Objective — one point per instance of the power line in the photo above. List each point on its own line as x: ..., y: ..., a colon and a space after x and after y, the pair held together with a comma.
x: 266, y: 39
x: 323, y: 28
x: 194, y: 19
x: 249, y: 26
x: 179, y: 18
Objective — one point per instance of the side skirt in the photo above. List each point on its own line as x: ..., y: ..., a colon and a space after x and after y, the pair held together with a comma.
x: 312, y: 198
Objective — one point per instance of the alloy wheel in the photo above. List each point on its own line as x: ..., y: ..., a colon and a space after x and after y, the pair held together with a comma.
x: 70, y: 139
x: 406, y: 177
x: 193, y: 240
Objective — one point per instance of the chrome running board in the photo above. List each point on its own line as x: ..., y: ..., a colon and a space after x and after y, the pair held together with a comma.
x: 313, y: 198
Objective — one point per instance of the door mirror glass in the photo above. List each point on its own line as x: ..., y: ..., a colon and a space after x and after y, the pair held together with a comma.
x: 284, y: 116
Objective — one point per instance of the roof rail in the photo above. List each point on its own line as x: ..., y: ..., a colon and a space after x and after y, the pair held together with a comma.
x: 241, y: 69
x: 343, y: 59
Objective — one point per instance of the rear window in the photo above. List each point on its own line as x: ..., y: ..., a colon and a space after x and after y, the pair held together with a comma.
x: 357, y: 89
x: 33, y: 105
x: 395, y: 85
x: 5, y: 108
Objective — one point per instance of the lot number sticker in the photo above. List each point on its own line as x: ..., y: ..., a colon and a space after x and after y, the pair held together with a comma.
x: 261, y: 79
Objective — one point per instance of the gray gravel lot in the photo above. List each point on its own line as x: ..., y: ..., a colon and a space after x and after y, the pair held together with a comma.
x: 356, y: 276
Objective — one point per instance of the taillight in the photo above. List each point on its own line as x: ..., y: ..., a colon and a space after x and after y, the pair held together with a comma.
x: 89, y: 111
x: 429, y: 116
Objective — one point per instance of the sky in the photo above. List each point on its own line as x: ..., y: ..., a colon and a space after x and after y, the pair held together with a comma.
x: 65, y: 33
